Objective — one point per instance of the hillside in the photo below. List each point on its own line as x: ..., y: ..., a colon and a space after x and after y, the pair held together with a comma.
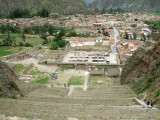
x: 54, y: 6
x: 134, y: 5
x: 8, y: 86
x: 142, y: 72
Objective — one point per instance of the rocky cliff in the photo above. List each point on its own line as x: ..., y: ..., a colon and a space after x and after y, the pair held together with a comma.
x: 8, y: 86
x: 142, y: 71
x: 134, y: 5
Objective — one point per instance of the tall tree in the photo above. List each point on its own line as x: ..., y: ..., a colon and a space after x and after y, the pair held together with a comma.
x: 134, y: 36
x: 23, y: 36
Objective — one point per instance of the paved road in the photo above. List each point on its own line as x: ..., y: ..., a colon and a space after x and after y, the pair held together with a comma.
x: 113, y: 59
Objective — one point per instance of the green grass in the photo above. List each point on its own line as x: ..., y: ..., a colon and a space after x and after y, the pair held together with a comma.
x: 76, y: 80
x: 67, y: 68
x: 19, y: 68
x: 50, y: 43
x: 33, y: 40
x: 34, y: 72
x: 5, y: 50
x: 95, y: 78
x: 41, y: 80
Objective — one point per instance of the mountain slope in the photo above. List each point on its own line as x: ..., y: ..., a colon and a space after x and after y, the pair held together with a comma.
x: 60, y: 6
x: 8, y: 86
x: 135, y: 5
x: 142, y: 72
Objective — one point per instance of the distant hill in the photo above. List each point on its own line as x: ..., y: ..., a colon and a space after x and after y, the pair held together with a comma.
x: 134, y: 5
x: 55, y: 6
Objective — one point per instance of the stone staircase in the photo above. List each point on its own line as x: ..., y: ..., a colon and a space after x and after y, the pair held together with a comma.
x: 99, y: 102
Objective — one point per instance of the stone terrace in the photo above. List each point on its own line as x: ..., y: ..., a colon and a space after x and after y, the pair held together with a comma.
x: 104, y: 100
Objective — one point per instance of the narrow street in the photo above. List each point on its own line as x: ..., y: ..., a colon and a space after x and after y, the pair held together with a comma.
x: 113, y: 54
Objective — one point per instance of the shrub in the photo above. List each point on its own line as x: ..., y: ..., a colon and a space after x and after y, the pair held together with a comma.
x: 28, y: 45
x: 45, y: 42
x: 12, y: 84
x: 21, y: 44
x: 45, y: 62
x: 158, y: 93
x: 150, y: 79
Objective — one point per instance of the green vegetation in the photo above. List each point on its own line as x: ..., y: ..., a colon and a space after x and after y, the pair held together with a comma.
x: 95, y: 78
x: 30, y: 40
x: 43, y: 12
x: 153, y: 24
x: 149, y: 81
x: 112, y: 10
x: 158, y: 93
x: 67, y: 68
x: 41, y: 80
x: 19, y: 13
x: 35, y: 71
x: 76, y: 80
x: 5, y: 50
x: 13, y: 85
x: 141, y: 86
x: 154, y: 13
x: 19, y: 68
x: 134, y: 36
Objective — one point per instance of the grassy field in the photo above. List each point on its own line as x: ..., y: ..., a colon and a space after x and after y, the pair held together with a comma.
x: 76, y: 80
x: 95, y: 78
x: 41, y: 80
x: 33, y: 39
x: 5, y: 50
x: 34, y: 71
x: 19, y: 68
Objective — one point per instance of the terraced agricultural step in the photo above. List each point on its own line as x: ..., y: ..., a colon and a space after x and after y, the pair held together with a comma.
x: 120, y: 102
x: 50, y: 111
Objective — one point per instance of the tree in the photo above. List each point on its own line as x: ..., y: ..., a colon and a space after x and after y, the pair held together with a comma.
x: 61, y: 43
x: 43, y: 12
x: 23, y: 36
x: 19, y: 13
x: 126, y: 35
x: 103, y: 11
x: 72, y: 34
x: 110, y: 10
x: 136, y: 19
x: 50, y: 30
x: 45, y: 42
x: 62, y: 33
x: 99, y: 31
x: 8, y: 41
x: 134, y: 36
x: 54, y: 46
x: 27, y: 30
